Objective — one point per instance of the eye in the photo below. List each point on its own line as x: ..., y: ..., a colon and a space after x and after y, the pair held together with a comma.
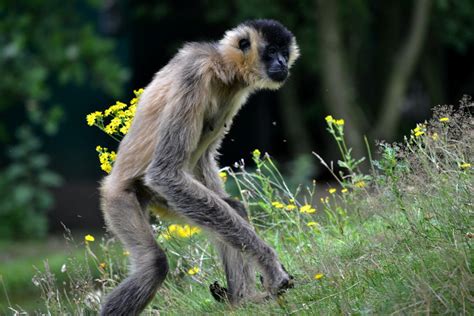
x: 244, y: 44
x: 271, y: 50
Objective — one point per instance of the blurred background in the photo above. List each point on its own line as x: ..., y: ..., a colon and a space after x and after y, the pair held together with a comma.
x: 380, y: 65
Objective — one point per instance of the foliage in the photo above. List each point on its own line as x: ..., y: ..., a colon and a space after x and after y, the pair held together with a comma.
x: 43, y: 45
x: 398, y: 241
x: 25, y: 183
x: 454, y: 23
x: 44, y: 42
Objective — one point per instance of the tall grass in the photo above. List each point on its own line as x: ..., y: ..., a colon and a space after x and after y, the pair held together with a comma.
x: 397, y: 239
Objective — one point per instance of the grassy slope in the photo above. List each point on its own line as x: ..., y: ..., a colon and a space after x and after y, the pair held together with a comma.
x: 382, y: 264
x: 404, y: 245
x: 401, y: 244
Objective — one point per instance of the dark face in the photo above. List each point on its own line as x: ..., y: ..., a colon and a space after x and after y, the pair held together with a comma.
x: 275, y: 54
x: 275, y: 59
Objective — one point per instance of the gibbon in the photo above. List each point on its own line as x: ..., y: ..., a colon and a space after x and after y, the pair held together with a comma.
x: 167, y: 163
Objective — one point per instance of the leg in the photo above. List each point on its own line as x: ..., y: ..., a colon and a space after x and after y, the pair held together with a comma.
x: 125, y: 218
x: 206, y: 209
x: 239, y: 270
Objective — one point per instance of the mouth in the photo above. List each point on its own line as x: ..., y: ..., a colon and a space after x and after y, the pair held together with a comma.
x: 279, y: 75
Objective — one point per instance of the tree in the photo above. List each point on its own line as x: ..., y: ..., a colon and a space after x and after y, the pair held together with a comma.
x: 339, y: 89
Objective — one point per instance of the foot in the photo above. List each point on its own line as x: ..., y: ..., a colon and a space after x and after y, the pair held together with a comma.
x: 218, y: 292
x: 278, y: 282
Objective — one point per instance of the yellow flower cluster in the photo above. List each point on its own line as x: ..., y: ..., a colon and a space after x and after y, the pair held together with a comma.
x: 360, y: 184
x: 181, y: 231
x: 330, y: 120
x: 94, y: 117
x: 465, y: 165
x: 106, y: 158
x: 332, y: 190
x: 89, y: 238
x: 419, y: 130
x: 121, y: 116
x: 444, y: 119
x: 308, y: 209
x: 278, y: 204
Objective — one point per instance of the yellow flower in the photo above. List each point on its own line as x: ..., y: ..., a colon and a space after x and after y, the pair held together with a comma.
x: 344, y: 190
x: 308, y: 209
x: 109, y: 129
x: 191, y: 230
x: 290, y: 207
x: 256, y: 153
x: 88, y: 238
x: 332, y: 191
x: 318, y: 276
x: 126, y: 253
x: 172, y: 228
x: 102, y: 265
x: 182, y: 231
x: 138, y: 92
x: 312, y: 224
x: 278, y: 205
x: 193, y: 271
x: 324, y: 200
x: 465, y: 165
x: 435, y: 136
x: 91, y: 118
x: 419, y: 130
x: 340, y: 122
x: 360, y: 184
x: 115, y: 108
x: 444, y: 119
x: 329, y: 119
x: 223, y: 176
x: 107, y: 167
x: 124, y: 129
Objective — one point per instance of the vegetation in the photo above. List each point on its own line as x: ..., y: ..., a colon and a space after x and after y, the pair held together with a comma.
x: 44, y: 45
x: 397, y: 240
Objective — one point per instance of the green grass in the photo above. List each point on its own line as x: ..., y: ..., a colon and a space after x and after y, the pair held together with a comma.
x: 398, y: 240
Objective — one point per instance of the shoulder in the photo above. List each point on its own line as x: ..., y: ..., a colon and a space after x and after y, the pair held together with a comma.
x: 198, y: 62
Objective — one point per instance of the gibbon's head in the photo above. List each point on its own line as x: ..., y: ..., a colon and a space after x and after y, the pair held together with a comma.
x: 261, y: 52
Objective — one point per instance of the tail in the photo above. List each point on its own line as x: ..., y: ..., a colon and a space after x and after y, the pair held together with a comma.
x: 137, y: 290
x: 124, y: 217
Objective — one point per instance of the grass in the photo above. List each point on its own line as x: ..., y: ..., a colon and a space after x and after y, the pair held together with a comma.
x: 395, y: 240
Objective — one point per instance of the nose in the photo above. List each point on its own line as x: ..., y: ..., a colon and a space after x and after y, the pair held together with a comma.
x: 281, y: 61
